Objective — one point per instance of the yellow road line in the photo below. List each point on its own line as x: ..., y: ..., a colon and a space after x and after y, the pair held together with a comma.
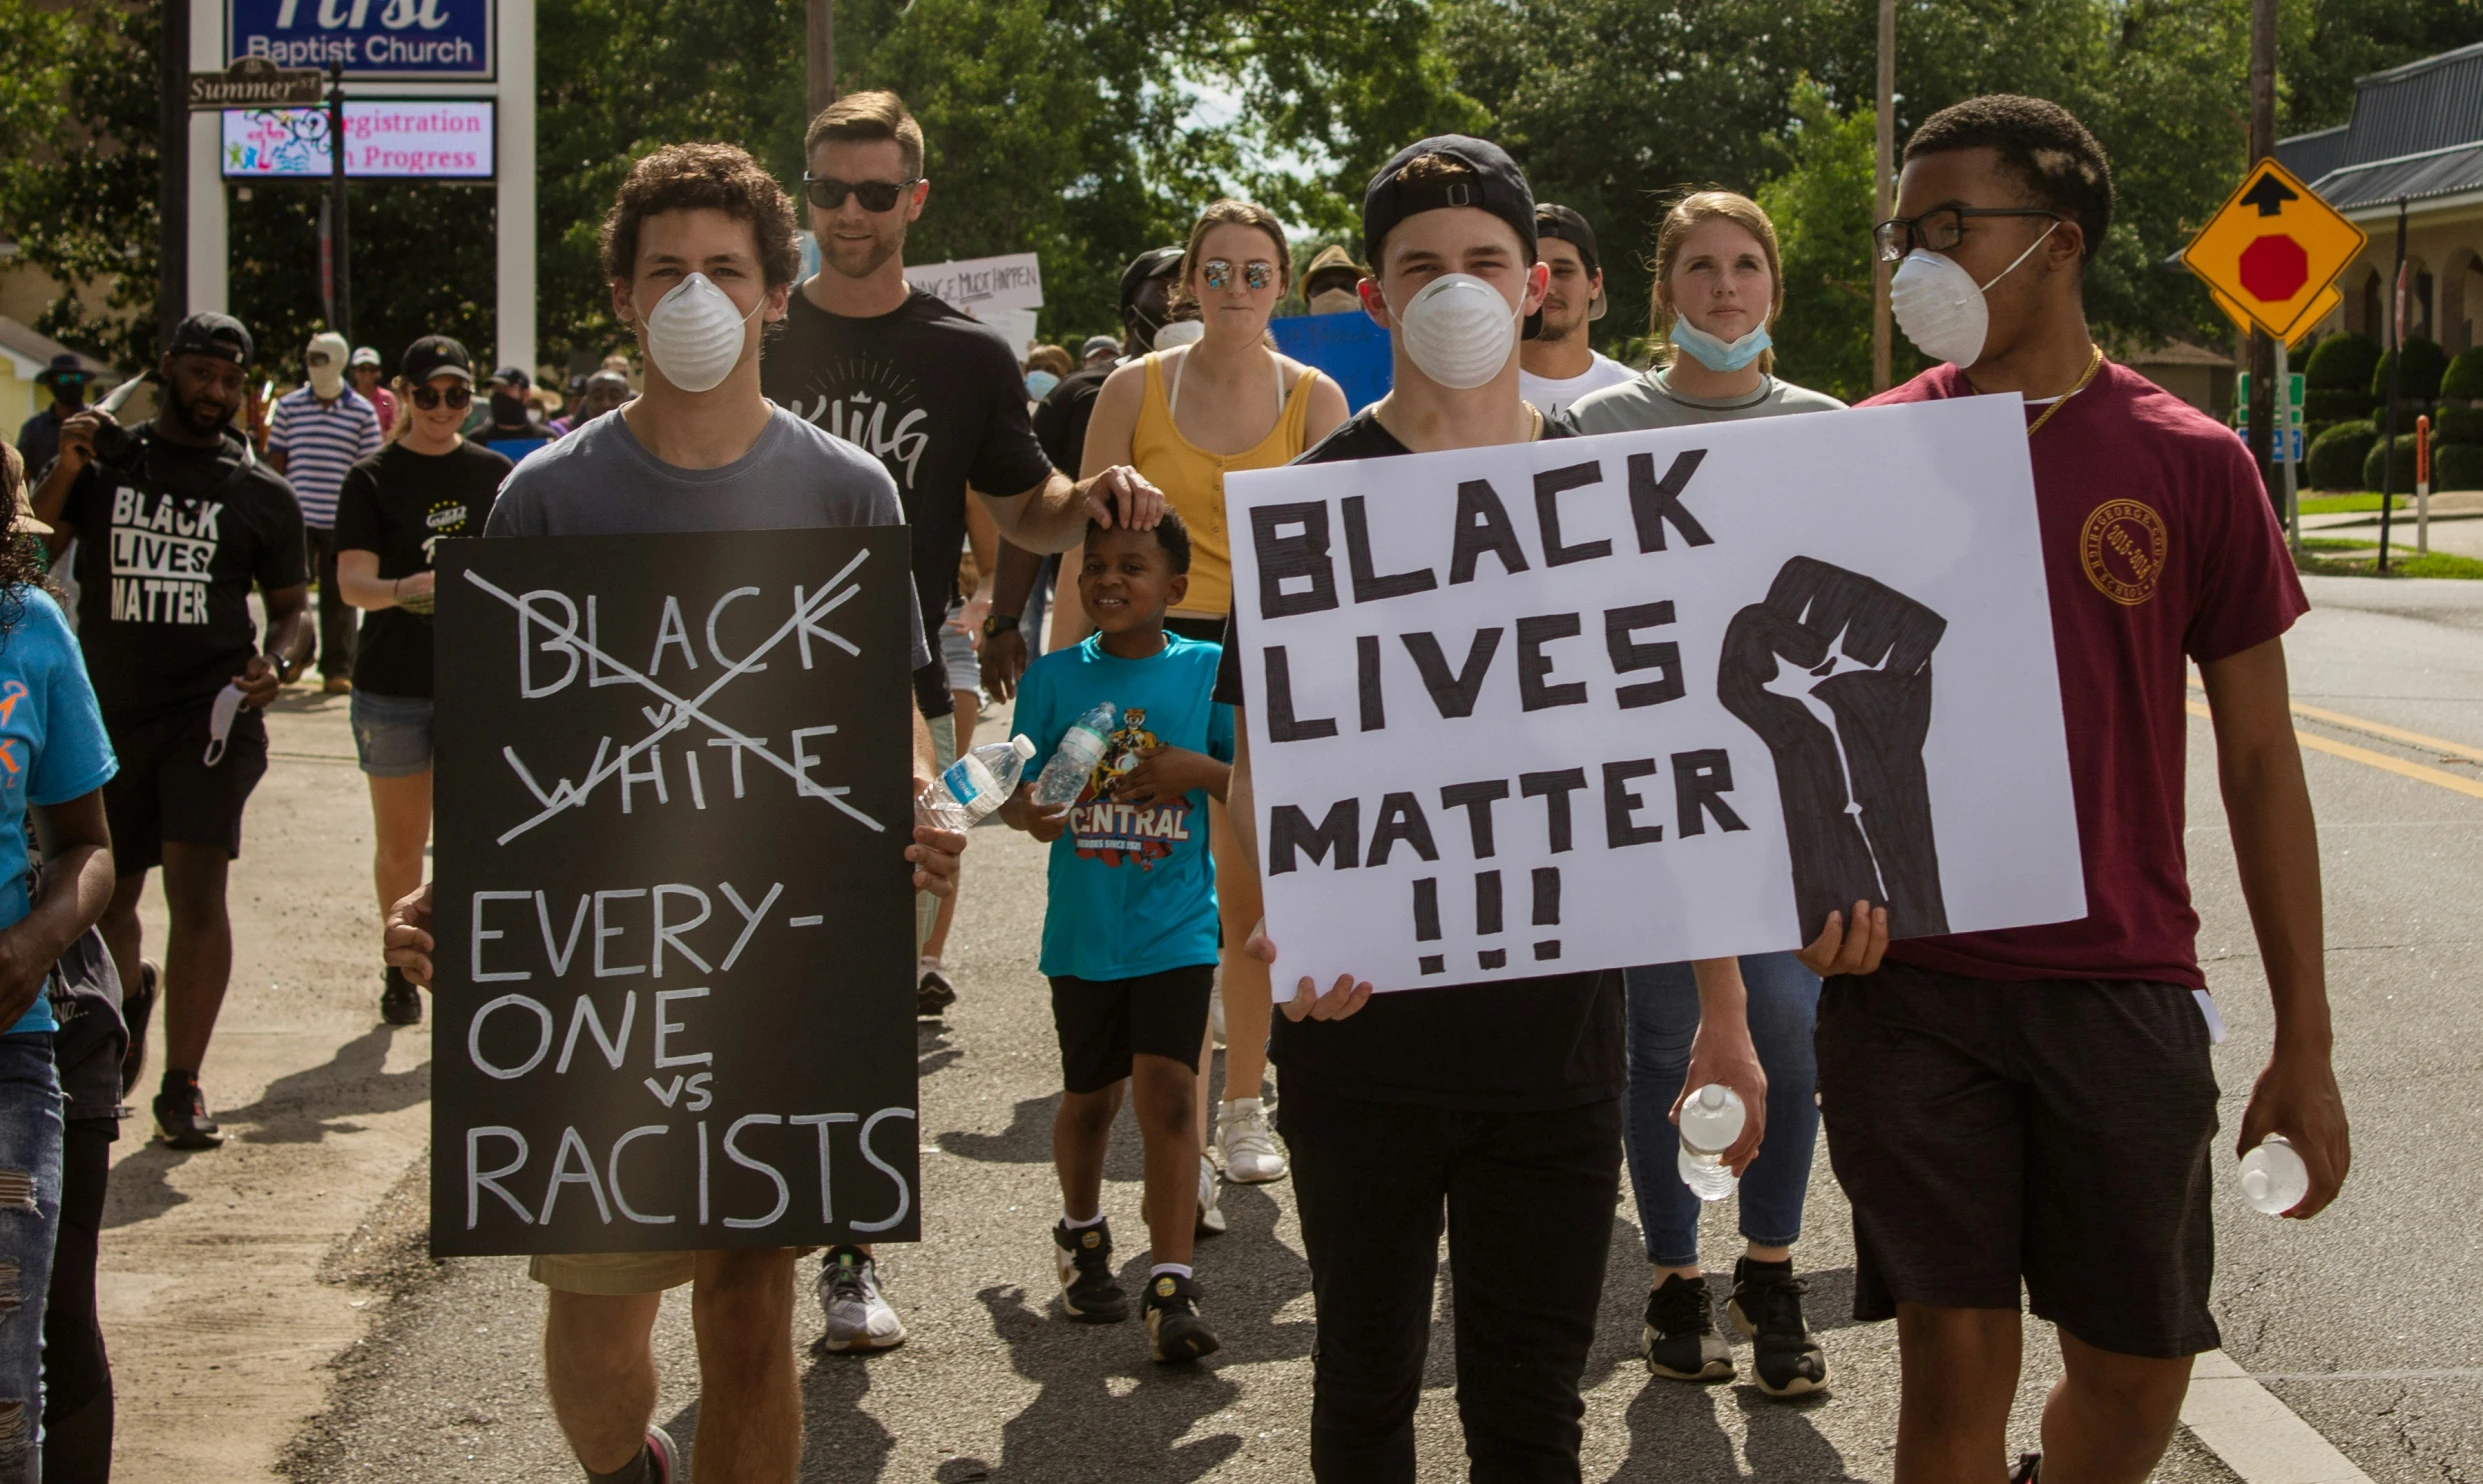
x: 2393, y: 734
x: 2380, y: 760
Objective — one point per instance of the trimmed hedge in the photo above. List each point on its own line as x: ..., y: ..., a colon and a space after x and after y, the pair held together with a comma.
x: 2451, y: 423
x: 2425, y: 364
x: 2457, y: 466
x: 2465, y: 376
x: 2334, y: 404
x: 2373, y: 470
x: 2335, y: 458
x: 2341, y: 363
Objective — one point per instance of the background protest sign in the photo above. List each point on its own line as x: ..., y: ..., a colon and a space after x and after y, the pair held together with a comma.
x: 1646, y: 697
x: 1003, y: 292
x: 673, y: 912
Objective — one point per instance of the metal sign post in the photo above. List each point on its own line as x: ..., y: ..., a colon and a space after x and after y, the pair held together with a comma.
x: 341, y: 232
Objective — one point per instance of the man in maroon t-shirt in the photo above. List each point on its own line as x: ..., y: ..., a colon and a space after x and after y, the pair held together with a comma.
x: 2037, y: 1104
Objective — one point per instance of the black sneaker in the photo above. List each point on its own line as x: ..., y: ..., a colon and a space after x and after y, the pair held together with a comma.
x: 933, y: 994
x: 400, y: 1003
x: 1087, y: 1289
x: 181, y: 1119
x: 138, y: 1008
x: 1175, y: 1332
x: 2028, y: 1465
x: 1679, y: 1339
x: 1766, y: 1308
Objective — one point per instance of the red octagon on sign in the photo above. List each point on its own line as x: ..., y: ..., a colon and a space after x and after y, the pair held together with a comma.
x: 2275, y: 268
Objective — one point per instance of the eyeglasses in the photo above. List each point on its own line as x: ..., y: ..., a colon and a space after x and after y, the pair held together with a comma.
x: 828, y: 193
x: 1939, y: 230
x: 1258, y: 273
x: 457, y: 397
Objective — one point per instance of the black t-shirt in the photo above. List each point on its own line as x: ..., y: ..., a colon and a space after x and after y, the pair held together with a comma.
x: 400, y: 505
x: 938, y: 398
x: 1511, y: 1044
x: 167, y: 553
x: 1061, y: 417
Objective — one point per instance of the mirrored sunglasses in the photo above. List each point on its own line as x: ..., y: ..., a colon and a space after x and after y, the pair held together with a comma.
x: 1258, y: 273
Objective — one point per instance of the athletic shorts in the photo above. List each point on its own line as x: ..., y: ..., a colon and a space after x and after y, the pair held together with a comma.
x: 166, y: 793
x: 618, y: 1274
x: 1105, y: 1022
x: 2055, y: 1131
x: 965, y: 672
x: 392, y: 734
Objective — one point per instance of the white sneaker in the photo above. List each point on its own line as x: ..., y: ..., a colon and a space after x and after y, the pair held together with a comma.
x: 858, y: 1317
x: 1210, y: 1215
x: 1250, y: 1152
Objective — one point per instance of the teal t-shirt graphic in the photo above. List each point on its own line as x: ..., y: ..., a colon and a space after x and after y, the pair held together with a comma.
x: 1133, y: 889
x: 52, y: 749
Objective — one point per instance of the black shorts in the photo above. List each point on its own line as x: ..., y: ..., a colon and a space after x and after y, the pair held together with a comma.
x: 166, y: 793
x: 1104, y: 1022
x: 2055, y: 1130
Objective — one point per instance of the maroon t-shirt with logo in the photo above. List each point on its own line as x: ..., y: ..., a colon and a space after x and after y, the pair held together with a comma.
x: 2159, y: 546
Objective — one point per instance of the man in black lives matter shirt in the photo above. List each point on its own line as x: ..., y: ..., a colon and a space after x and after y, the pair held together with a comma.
x: 177, y: 528
x: 1499, y: 1102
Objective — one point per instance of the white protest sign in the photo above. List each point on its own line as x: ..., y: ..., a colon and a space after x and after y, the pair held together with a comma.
x: 1584, y: 703
x: 1003, y: 292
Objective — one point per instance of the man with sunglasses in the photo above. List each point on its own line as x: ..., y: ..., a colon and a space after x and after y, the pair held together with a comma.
x: 318, y: 431
x: 2037, y: 1106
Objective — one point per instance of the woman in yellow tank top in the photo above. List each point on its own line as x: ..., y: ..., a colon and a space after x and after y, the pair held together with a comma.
x: 1185, y: 418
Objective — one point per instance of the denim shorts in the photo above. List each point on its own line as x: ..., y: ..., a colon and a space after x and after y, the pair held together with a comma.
x: 392, y: 734
x: 965, y: 672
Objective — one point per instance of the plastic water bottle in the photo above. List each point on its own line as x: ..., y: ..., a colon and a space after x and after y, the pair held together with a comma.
x: 974, y: 785
x: 1071, y: 763
x: 1711, y: 1122
x: 2274, y: 1179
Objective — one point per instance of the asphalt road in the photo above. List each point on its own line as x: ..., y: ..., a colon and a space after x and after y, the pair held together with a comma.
x: 2358, y: 1321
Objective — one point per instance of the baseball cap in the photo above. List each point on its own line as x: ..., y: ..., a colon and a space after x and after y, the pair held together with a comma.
x: 1496, y: 186
x: 1155, y: 262
x: 208, y: 333
x: 363, y: 356
x: 512, y: 376
x: 436, y: 355
x: 1571, y: 227
x: 1099, y: 345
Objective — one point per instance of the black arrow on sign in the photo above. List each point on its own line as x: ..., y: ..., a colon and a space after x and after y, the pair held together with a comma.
x: 2270, y: 196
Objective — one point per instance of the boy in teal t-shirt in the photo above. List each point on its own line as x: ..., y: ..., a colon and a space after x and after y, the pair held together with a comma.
x: 1129, y: 936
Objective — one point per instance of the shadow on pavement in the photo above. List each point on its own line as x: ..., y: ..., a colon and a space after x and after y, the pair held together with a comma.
x: 1105, y: 1411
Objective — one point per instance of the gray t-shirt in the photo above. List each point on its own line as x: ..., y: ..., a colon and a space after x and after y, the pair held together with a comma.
x: 1644, y: 401
x: 601, y: 481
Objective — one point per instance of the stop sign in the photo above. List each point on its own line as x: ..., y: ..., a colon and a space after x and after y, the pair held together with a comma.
x: 2274, y: 268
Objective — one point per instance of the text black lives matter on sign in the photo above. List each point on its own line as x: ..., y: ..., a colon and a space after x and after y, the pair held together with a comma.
x: 673, y: 911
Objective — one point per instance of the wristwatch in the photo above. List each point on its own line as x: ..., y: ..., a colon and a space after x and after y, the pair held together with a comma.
x: 998, y: 623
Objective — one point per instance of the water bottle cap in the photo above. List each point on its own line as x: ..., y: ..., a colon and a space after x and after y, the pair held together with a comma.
x: 1713, y: 1095
x: 1021, y: 746
x: 2255, y: 1184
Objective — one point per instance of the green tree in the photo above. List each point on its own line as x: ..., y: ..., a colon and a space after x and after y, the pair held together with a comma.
x: 1821, y: 204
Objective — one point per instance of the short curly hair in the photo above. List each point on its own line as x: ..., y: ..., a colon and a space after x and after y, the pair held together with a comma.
x: 2041, y: 143
x: 685, y: 177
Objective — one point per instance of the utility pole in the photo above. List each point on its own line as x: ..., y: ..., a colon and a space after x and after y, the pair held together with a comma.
x: 2263, y: 390
x: 172, y: 175
x: 340, y: 232
x: 821, y: 35
x: 2396, y: 373
x: 1884, y: 197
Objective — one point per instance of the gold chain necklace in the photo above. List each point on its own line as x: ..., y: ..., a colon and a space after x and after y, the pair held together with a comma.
x: 2094, y: 363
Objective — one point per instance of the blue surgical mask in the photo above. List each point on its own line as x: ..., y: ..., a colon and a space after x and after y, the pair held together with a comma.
x: 1039, y: 384
x: 1715, y: 354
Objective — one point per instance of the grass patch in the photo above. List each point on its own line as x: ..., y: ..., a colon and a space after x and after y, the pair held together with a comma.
x: 2365, y: 563
x: 2348, y: 504
x: 2337, y: 543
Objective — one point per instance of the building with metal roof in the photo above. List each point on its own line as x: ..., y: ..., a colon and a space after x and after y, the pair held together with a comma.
x: 2416, y: 138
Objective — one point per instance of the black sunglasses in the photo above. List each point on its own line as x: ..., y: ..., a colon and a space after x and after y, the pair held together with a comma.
x: 428, y: 397
x: 828, y: 193
x: 1939, y: 229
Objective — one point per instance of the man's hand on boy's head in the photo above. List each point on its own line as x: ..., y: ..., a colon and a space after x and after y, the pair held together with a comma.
x: 1162, y: 774
x: 1121, y: 496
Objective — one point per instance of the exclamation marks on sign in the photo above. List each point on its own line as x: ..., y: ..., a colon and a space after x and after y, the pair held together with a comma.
x: 1487, y: 917
x: 1427, y: 923
x: 1547, y: 910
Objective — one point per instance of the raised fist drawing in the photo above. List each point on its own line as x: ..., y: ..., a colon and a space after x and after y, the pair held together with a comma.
x: 1833, y: 671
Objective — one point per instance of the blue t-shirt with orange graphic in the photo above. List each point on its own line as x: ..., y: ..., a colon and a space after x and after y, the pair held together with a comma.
x: 1133, y: 889
x: 52, y: 748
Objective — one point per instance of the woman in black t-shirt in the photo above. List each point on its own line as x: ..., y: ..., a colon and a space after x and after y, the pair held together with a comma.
x: 394, y: 509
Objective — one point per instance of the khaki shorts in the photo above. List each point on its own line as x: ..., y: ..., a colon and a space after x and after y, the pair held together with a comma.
x: 621, y: 1274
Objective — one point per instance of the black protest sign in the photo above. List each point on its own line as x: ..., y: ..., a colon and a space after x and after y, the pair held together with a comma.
x: 1586, y: 703
x: 673, y: 912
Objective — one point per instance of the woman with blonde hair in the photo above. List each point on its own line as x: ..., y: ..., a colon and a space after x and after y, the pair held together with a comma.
x: 1718, y: 289
x: 1185, y: 418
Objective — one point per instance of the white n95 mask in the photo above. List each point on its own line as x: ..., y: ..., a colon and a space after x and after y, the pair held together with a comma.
x: 1179, y: 333
x: 694, y: 334
x: 220, y: 721
x: 1458, y: 330
x: 1940, y: 307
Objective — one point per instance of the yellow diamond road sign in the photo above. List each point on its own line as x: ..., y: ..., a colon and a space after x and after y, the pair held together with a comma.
x: 2273, y: 249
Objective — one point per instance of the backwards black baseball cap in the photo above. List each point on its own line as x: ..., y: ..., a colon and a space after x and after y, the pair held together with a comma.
x: 208, y: 333
x: 1572, y: 228
x: 436, y: 355
x: 1495, y: 185
x: 1155, y: 262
